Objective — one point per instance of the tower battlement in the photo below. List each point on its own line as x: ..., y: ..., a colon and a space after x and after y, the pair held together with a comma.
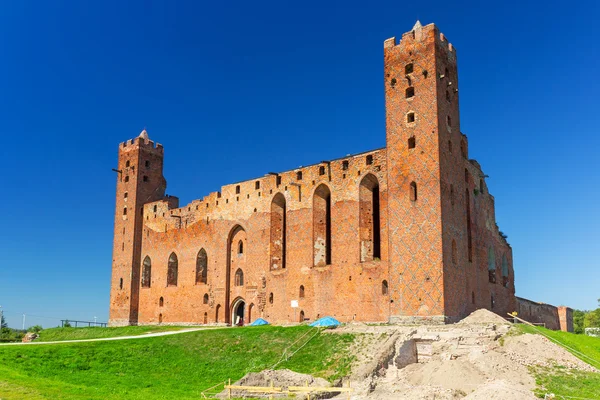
x: 419, y: 33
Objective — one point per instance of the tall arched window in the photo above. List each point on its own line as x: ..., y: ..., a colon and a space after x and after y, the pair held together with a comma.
x: 161, y: 302
x: 240, y: 247
x: 217, y: 312
x: 202, y: 267
x: 278, y: 232
x: 205, y: 299
x: 384, y: 288
x: 172, y: 270
x: 301, y: 292
x: 492, y: 265
x: 504, y: 271
x: 146, y: 272
x: 239, y: 277
x: 369, y: 219
x: 322, y: 226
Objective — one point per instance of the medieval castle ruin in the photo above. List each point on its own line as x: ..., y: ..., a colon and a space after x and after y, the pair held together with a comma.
x: 403, y: 233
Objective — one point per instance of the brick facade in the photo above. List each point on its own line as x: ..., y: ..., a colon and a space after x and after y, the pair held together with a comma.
x: 402, y: 233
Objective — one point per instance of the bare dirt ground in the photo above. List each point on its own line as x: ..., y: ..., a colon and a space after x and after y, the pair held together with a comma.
x: 475, y: 359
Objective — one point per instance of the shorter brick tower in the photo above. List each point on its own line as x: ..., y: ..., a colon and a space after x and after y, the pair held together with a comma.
x: 139, y: 180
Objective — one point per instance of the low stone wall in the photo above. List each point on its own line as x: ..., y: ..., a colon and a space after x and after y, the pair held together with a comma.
x: 555, y: 318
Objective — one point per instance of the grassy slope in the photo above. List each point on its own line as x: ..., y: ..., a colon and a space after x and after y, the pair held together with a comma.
x: 569, y: 383
x: 59, y: 334
x: 178, y: 366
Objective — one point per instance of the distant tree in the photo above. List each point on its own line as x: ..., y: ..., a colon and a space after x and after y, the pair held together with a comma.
x: 578, y: 321
x: 35, y: 329
x: 3, y: 323
x: 66, y: 324
x: 592, y: 319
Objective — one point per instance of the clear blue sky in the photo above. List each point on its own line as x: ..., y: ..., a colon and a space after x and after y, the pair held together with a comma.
x: 236, y: 89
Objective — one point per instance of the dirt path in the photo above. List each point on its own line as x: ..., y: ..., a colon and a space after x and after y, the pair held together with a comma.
x: 146, y: 335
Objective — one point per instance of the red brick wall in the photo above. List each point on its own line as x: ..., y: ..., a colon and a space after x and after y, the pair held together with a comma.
x: 556, y: 318
x: 426, y: 278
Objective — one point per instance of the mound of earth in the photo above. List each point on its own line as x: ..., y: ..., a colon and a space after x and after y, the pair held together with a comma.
x: 483, y: 316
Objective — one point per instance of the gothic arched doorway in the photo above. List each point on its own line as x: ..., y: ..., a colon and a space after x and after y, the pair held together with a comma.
x: 238, y: 312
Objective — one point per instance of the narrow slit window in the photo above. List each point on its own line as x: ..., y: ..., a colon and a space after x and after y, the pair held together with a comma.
x: 146, y: 272
x: 369, y: 159
x: 410, y: 92
x: 344, y: 165
x: 301, y: 292
x: 257, y: 185
x: 413, y: 191
x: 410, y: 117
x: 384, y: 288
x: 145, y: 178
x: 321, y: 170
x: 299, y: 175
x: 237, y: 189
x: 408, y: 69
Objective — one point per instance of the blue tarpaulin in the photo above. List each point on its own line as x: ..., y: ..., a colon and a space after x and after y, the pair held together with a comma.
x: 259, y: 321
x: 326, y: 321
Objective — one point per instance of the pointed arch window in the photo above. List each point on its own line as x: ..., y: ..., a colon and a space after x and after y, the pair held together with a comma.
x: 240, y: 247
x: 492, y: 265
x: 504, y: 271
x: 322, y: 226
x: 278, y: 232
x: 146, y: 272
x: 239, y: 277
x: 384, y: 288
x: 172, y: 270
x: 369, y: 219
x: 301, y: 292
x: 202, y: 267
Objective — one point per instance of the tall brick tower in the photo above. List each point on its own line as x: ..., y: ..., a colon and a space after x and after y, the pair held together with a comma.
x: 139, y: 180
x: 423, y: 161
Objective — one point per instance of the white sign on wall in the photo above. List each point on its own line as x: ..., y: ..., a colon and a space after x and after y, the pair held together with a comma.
x: 294, y: 303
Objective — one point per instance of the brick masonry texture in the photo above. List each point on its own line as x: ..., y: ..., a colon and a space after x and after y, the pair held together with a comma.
x: 401, y: 234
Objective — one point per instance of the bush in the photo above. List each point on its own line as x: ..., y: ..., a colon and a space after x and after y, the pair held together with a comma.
x: 35, y: 329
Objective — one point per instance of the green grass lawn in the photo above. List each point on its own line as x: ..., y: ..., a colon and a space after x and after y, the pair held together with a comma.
x: 561, y: 381
x: 168, y: 367
x: 59, y: 334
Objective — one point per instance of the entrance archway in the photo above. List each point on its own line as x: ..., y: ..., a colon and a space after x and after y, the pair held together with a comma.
x: 235, y: 260
x: 238, y: 312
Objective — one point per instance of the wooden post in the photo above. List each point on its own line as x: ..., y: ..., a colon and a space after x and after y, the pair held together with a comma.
x: 348, y: 390
x: 308, y: 393
x: 229, y: 389
x: 271, y: 395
